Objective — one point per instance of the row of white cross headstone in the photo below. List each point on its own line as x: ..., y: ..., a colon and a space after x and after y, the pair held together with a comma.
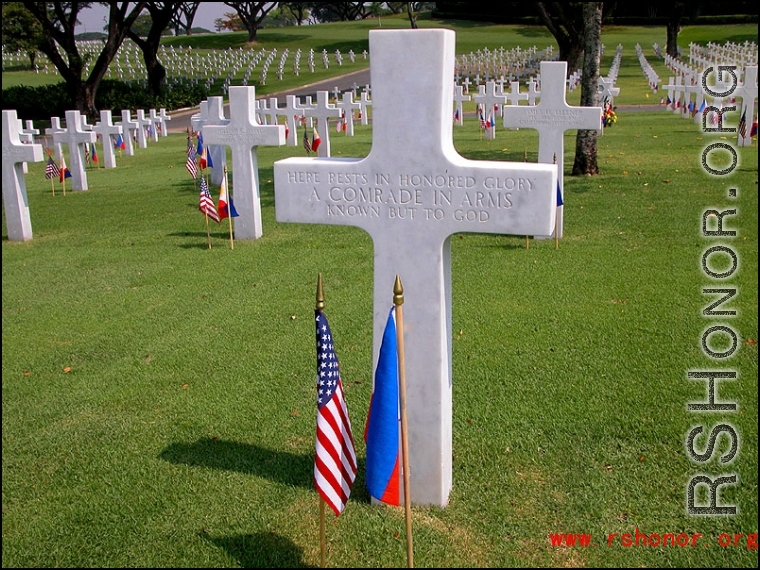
x: 649, y: 72
x: 686, y: 93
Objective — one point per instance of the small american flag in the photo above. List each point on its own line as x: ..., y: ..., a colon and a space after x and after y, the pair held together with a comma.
x: 742, y: 128
x: 306, y: 143
x: 51, y: 168
x: 192, y: 168
x: 206, y: 204
x: 335, y: 459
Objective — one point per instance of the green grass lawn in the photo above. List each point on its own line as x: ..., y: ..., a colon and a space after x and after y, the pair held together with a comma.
x: 158, y: 395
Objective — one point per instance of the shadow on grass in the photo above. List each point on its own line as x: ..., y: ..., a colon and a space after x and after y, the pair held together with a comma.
x: 200, y: 239
x: 261, y: 550
x: 288, y: 468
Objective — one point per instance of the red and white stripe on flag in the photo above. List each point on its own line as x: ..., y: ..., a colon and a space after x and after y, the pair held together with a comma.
x: 335, y: 458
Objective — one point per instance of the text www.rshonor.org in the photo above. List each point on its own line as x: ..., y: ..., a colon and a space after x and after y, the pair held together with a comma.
x: 641, y: 539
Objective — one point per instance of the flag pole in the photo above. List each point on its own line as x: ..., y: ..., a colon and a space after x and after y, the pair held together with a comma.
x: 556, y: 215
x: 320, y: 306
x: 525, y: 159
x: 208, y: 233
x: 398, y: 301
x: 229, y: 212
x: 321, y: 532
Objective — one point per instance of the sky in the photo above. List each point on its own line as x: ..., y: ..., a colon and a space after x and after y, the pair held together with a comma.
x: 94, y: 18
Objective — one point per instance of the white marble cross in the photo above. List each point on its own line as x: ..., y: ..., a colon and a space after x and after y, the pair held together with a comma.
x: 513, y: 95
x: 30, y: 130
x: 197, y: 120
x: 411, y: 193
x: 75, y: 137
x: 155, y: 123
x: 273, y: 111
x: 55, y: 127
x: 163, y: 117
x: 291, y: 111
x: 608, y: 91
x: 108, y: 133
x: 533, y: 91
x: 747, y: 90
x: 347, y: 106
x: 217, y: 152
x: 128, y: 128
x: 15, y: 153
x: 322, y: 112
x: 459, y: 98
x: 489, y: 99
x: 243, y: 134
x: 143, y: 123
x: 365, y: 102
x: 551, y: 118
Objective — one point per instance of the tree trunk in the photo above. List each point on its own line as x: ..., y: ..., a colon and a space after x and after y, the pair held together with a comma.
x: 412, y: 15
x: 671, y: 47
x: 585, y: 141
x: 678, y: 10
x: 156, y: 77
x: 574, y: 57
x: 84, y: 100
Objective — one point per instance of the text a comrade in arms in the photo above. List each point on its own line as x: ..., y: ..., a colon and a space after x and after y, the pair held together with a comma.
x: 412, y: 189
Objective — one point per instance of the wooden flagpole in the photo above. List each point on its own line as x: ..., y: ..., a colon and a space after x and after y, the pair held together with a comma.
x: 398, y: 301
x: 556, y: 216
x: 525, y: 159
x: 320, y: 306
x: 208, y: 233
x: 321, y: 532
x: 229, y: 209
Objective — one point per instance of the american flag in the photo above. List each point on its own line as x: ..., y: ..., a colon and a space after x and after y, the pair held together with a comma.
x: 192, y: 168
x: 206, y: 204
x: 335, y: 459
x: 51, y: 168
x: 306, y: 143
x: 743, y: 125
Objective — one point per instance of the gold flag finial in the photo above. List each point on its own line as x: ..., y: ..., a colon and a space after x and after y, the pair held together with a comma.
x: 398, y: 292
x: 320, y: 294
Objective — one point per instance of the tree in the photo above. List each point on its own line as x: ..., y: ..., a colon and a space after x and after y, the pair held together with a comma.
x: 413, y: 10
x: 161, y: 14
x: 676, y: 13
x: 280, y: 17
x: 231, y: 22
x: 344, y: 11
x: 299, y: 10
x: 566, y: 23
x: 585, y: 141
x: 252, y: 15
x: 21, y: 31
x: 183, y: 18
x: 59, y: 30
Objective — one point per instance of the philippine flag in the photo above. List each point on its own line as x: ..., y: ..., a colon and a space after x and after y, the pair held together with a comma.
x: 383, y: 429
